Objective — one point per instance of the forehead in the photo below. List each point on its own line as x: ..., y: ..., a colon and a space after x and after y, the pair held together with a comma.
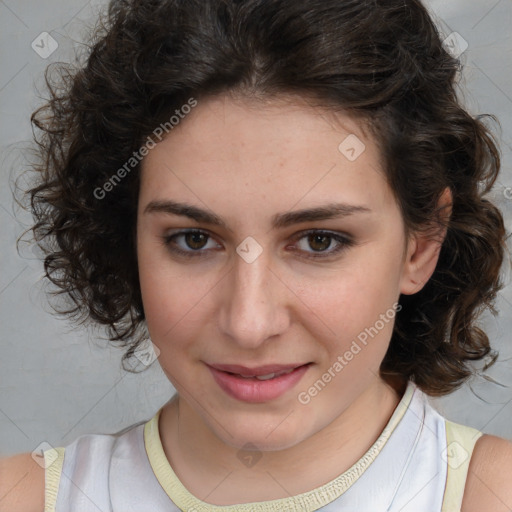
x: 278, y: 152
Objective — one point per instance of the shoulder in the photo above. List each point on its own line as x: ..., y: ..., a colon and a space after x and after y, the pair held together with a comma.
x: 21, y: 484
x: 489, y: 476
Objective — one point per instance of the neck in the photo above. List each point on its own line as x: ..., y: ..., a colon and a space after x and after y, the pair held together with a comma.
x: 203, y: 461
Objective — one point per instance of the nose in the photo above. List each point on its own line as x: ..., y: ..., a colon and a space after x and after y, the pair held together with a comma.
x: 254, y: 306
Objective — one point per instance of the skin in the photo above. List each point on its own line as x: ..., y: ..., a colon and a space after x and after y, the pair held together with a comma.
x: 247, y: 162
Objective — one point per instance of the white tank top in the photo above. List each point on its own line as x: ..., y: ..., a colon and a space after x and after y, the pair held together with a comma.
x: 419, y: 463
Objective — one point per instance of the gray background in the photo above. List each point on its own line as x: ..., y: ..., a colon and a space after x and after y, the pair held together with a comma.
x: 57, y: 381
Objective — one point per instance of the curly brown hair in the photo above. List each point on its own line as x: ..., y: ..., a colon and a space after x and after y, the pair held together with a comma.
x: 381, y: 60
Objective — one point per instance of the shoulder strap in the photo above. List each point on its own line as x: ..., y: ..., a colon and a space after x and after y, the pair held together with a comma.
x: 460, y: 442
x: 53, y: 461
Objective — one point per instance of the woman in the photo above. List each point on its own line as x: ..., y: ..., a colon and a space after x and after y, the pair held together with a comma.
x: 287, y: 197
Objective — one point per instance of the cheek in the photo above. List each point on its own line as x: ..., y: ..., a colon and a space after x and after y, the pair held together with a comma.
x: 167, y: 298
x: 352, y: 311
x: 161, y: 290
x: 355, y: 294
x: 174, y: 297
x: 354, y: 314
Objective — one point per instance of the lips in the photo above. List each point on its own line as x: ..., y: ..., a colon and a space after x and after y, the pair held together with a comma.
x: 259, y: 384
x: 258, y: 371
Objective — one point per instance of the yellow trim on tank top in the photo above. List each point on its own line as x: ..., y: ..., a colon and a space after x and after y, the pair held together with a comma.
x: 52, y: 476
x: 460, y: 442
x: 305, y: 502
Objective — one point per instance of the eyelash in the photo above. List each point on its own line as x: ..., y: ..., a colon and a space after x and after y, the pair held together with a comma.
x: 344, y: 242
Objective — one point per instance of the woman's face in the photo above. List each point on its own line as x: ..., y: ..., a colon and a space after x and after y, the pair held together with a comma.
x: 251, y: 287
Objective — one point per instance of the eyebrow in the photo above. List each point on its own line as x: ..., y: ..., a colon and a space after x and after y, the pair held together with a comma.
x: 280, y: 220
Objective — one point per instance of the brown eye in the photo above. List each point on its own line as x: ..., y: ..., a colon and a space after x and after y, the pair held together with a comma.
x: 190, y: 243
x: 322, y: 244
x: 196, y: 240
x: 319, y: 242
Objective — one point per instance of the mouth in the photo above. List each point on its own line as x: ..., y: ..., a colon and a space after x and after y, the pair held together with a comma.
x: 260, y: 384
x: 265, y: 372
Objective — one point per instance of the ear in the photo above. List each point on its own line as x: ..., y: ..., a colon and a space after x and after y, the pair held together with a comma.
x: 423, y: 249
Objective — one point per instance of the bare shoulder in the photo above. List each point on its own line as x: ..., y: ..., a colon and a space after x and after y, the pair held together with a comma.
x: 488, y: 484
x: 21, y: 484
